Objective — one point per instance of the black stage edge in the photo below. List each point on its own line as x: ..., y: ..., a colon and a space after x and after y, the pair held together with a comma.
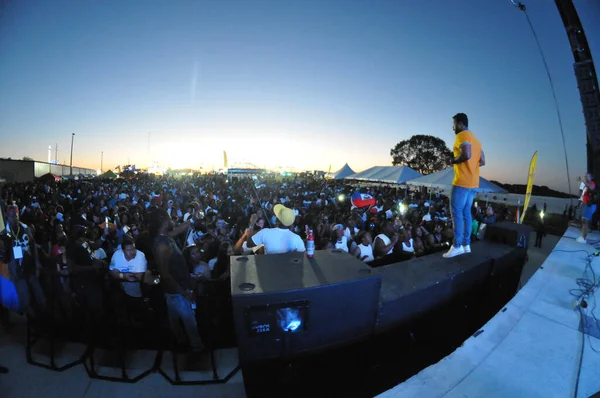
x: 359, y: 331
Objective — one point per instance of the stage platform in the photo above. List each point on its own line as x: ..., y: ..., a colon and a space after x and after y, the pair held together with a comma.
x: 532, y: 347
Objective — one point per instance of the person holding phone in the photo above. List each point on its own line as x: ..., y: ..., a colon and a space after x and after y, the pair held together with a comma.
x: 588, y: 207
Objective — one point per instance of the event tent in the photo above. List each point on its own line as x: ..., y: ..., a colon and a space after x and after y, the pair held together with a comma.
x: 386, y: 174
x: 49, y: 177
x: 341, y: 173
x: 443, y: 180
x: 109, y: 174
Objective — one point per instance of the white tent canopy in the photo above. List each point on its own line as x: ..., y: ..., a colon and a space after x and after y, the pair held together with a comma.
x: 341, y: 173
x: 386, y: 174
x: 443, y: 180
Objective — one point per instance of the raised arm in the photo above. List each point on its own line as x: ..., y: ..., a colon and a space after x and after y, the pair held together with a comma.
x: 179, y: 229
x: 482, y: 159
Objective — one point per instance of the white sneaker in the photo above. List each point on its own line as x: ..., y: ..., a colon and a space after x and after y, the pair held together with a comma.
x: 580, y: 240
x: 454, y: 251
x: 467, y: 248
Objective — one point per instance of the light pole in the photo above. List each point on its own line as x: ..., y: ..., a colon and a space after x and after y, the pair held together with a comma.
x: 72, y: 139
x: 101, y: 160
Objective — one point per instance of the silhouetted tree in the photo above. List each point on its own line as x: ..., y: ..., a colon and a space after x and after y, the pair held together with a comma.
x: 27, y: 158
x: 423, y: 153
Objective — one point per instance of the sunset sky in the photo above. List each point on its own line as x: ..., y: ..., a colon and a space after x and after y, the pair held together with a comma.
x: 309, y: 84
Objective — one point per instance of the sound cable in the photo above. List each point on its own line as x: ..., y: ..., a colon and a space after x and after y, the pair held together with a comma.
x: 580, y: 354
x: 587, y: 285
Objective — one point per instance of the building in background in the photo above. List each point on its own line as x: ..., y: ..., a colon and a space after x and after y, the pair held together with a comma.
x: 28, y: 170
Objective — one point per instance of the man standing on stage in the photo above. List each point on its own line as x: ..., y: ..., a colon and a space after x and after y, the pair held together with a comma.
x: 468, y: 158
x: 588, y: 207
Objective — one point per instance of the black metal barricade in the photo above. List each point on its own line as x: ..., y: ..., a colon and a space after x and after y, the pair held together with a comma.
x: 123, y: 309
x: 210, y: 295
x: 87, y: 306
x: 45, y: 324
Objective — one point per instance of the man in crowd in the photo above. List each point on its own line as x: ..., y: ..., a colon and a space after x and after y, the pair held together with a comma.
x: 129, y: 265
x: 23, y: 262
x: 279, y: 239
x: 175, y: 278
x: 468, y: 158
x: 588, y: 207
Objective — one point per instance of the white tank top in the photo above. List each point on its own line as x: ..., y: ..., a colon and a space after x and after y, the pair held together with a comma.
x: 386, y: 241
x: 343, y: 245
x: 366, y: 251
x: 408, y: 249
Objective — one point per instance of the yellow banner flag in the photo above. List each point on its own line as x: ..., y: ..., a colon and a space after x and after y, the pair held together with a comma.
x: 529, y: 185
x: 225, y: 163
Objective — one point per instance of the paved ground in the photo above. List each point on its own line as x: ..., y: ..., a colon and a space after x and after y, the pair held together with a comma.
x: 537, y: 257
x: 26, y: 381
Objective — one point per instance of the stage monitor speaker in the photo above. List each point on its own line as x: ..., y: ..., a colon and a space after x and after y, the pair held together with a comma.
x: 508, y: 233
x: 413, y: 288
x: 287, y: 304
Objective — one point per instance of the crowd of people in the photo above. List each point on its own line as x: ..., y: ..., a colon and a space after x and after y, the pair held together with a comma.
x: 179, y: 232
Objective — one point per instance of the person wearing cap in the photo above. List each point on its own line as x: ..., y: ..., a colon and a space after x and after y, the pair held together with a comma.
x: 340, y: 242
x: 279, y: 239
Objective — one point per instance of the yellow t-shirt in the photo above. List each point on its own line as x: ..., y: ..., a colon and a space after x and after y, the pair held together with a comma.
x: 466, y: 174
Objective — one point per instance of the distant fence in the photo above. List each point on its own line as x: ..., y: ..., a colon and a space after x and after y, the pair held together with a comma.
x: 27, y: 170
x: 554, y: 205
x: 41, y: 168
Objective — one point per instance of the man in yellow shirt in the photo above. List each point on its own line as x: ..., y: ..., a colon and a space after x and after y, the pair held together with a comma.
x: 468, y: 158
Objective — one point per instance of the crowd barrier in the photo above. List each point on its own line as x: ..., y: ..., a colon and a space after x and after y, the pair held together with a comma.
x: 91, y: 309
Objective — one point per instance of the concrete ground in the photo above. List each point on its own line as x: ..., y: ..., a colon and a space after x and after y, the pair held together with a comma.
x: 532, y: 348
x: 537, y: 257
x: 25, y: 381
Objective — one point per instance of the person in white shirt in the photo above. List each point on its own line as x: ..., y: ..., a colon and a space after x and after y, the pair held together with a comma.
x: 129, y: 265
x: 279, y: 239
x: 191, y: 211
x: 364, y: 251
x: 385, y: 241
x: 341, y: 241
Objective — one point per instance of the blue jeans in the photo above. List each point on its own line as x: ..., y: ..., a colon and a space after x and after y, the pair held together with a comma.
x: 461, y: 201
x: 587, y: 211
x: 178, y: 308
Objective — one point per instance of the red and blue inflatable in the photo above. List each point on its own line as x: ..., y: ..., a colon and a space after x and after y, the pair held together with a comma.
x: 361, y: 200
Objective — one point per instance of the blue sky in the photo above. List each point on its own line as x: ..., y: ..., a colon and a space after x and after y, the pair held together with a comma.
x: 310, y: 84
